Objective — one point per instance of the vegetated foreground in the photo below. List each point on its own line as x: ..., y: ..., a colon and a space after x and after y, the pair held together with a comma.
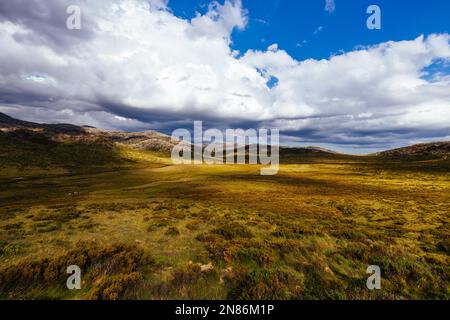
x: 141, y: 228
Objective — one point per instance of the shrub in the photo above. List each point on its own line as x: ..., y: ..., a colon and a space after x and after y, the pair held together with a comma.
x: 158, y: 222
x: 8, y: 248
x: 262, y: 257
x: 61, y: 215
x: 263, y: 284
x: 346, y: 210
x: 93, y: 259
x: 444, y: 246
x: 233, y: 230
x: 320, y: 285
x: 13, y: 226
x: 294, y: 232
x: 190, y: 281
x: 172, y: 231
x: 187, y: 275
x: 116, y: 287
x: 192, y: 225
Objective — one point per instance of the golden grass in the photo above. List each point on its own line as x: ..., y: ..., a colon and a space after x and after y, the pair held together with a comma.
x: 226, y: 232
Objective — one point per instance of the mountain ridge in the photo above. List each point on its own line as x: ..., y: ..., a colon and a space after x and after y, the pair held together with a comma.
x: 151, y: 140
x: 146, y: 140
x: 438, y: 148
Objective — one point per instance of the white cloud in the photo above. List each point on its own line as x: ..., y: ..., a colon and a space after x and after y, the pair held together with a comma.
x: 383, y: 81
x: 330, y: 6
x: 140, y: 62
x: 318, y: 30
x: 301, y: 43
x: 273, y: 47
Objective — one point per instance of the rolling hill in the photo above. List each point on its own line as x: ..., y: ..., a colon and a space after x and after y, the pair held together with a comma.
x: 28, y: 132
x: 145, y: 141
x: 432, y: 149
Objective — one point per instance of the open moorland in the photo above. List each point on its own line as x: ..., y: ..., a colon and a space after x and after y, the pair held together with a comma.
x: 142, y: 228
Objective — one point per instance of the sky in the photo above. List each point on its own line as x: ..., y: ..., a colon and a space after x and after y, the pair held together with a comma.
x: 311, y: 69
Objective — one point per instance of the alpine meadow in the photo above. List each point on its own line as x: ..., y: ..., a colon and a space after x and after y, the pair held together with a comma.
x: 224, y: 158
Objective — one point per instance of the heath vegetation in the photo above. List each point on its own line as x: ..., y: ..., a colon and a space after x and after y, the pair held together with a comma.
x: 141, y: 228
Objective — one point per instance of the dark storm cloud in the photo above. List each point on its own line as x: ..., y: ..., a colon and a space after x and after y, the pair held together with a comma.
x: 47, y: 22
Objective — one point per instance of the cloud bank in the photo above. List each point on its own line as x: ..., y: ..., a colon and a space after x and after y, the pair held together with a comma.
x: 134, y: 65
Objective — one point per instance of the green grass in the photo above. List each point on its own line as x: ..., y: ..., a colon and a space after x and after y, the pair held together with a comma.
x: 141, y: 228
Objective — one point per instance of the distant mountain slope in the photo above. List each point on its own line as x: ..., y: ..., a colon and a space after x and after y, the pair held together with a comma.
x: 145, y: 141
x: 312, y: 155
x: 24, y: 132
x: 8, y: 123
x: 28, y: 148
x: 433, y: 149
x: 28, y: 151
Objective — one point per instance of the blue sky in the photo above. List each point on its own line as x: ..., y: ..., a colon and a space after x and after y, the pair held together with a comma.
x: 291, y: 22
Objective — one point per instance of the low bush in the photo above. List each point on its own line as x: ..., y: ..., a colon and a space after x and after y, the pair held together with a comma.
x: 172, y: 231
x: 94, y: 260
x: 261, y: 284
x: 116, y: 287
x: 232, y: 231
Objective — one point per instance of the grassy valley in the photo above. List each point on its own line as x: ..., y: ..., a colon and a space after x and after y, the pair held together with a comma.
x: 142, y: 228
